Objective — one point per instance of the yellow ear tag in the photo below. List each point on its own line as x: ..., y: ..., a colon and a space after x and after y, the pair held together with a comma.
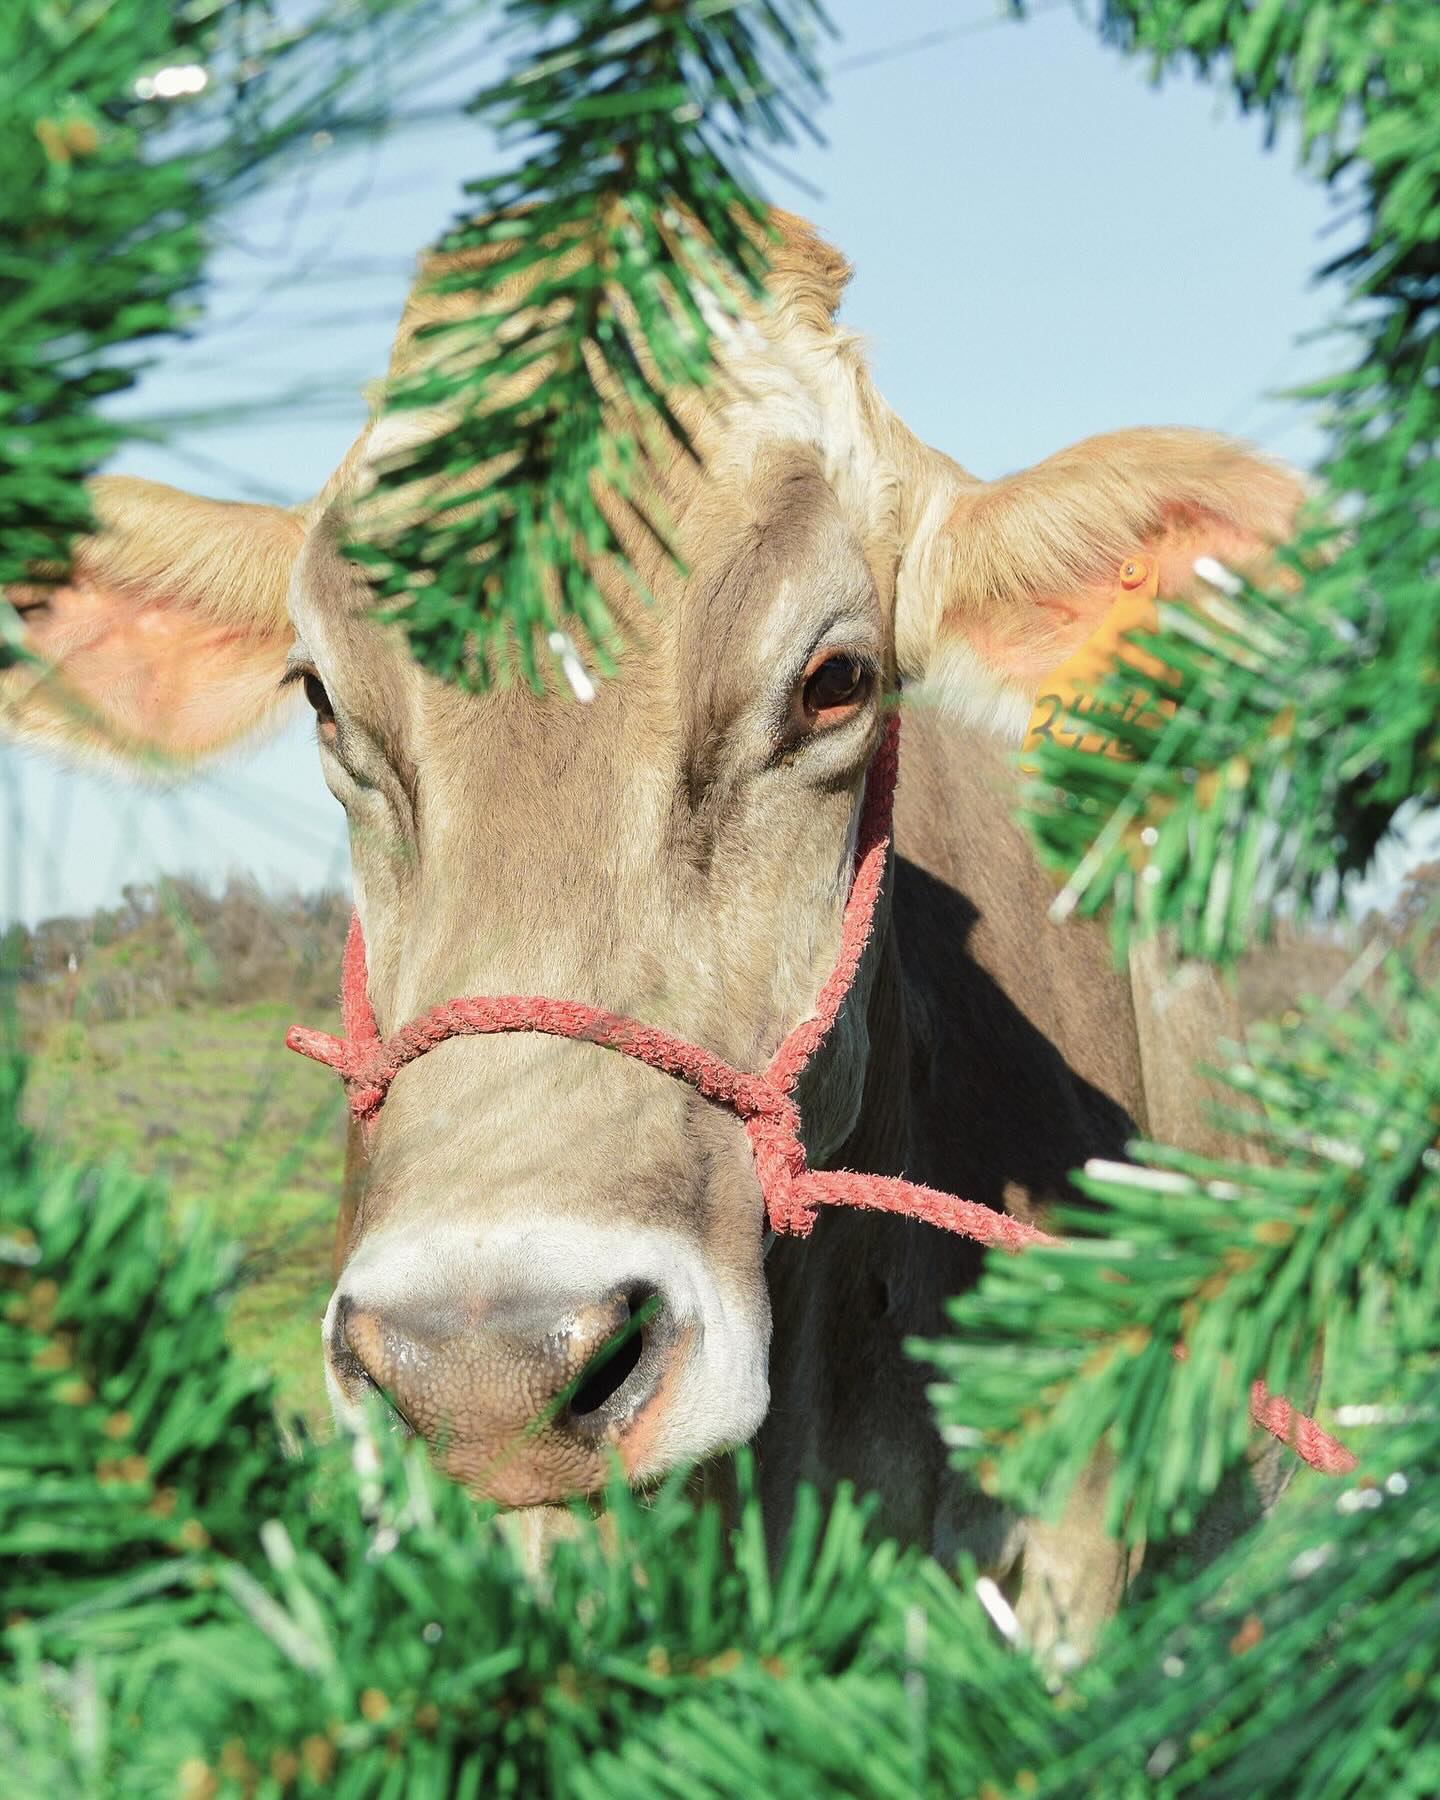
x: 1068, y: 687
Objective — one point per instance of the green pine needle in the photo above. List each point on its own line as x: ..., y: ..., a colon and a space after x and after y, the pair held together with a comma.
x: 1295, y: 728
x: 1331, y: 1236
x: 190, y: 1607
x: 1303, y: 1664
x: 111, y: 189
x: 1268, y: 761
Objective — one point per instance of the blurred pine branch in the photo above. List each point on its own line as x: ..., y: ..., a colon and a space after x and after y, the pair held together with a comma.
x: 1295, y: 727
x: 1328, y: 1233
x: 596, y: 274
x: 123, y: 130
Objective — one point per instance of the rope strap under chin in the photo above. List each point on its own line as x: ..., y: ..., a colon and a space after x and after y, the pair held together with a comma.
x: 793, y: 1192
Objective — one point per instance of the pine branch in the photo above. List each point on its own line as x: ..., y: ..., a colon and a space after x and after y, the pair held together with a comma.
x: 1267, y: 761
x: 597, y: 274
x: 124, y: 130
x: 125, y: 1417
x: 1250, y: 1268
x: 933, y: 1705
x: 300, y: 1629
x: 189, y: 1607
x: 1304, y: 1664
x: 1295, y: 728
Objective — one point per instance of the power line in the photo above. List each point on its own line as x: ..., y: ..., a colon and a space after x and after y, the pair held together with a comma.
x: 949, y: 34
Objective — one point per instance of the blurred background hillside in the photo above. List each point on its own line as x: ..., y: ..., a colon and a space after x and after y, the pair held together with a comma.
x: 156, y: 1033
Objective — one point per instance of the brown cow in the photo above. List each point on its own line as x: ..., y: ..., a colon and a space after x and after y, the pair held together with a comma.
x: 680, y: 850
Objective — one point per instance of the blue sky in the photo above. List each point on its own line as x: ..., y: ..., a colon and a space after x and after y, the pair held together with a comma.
x: 1045, y: 246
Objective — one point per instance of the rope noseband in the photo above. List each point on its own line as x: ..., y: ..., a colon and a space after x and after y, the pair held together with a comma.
x: 792, y: 1191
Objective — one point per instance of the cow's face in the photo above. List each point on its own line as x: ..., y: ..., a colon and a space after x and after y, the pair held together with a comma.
x: 679, y: 850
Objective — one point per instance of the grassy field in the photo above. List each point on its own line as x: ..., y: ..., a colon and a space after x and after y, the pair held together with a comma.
x: 241, y: 1129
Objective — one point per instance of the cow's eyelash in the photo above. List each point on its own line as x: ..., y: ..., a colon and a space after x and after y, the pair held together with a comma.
x: 293, y: 673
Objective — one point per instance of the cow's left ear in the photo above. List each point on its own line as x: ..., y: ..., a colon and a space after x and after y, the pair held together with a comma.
x: 1008, y: 582
x: 168, y: 635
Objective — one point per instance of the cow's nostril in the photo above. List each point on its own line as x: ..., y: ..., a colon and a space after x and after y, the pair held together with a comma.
x: 604, y: 1375
x: 524, y: 1406
x: 616, y: 1360
x: 351, y: 1331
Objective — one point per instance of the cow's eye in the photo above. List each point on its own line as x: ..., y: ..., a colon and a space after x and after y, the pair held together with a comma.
x: 834, y: 689
x: 318, y: 698
x: 315, y: 693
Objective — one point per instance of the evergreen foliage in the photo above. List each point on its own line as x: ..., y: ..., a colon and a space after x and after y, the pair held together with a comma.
x: 1288, y: 732
x: 629, y: 233
x: 1304, y: 1666
x: 1330, y: 1232
x: 191, y: 1607
x: 188, y: 1601
x: 193, y: 1603
x: 123, y: 130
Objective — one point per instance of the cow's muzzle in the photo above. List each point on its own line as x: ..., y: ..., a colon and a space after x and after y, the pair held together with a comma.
x: 523, y: 1404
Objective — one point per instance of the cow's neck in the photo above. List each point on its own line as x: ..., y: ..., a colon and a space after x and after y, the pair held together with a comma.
x: 1002, y: 1056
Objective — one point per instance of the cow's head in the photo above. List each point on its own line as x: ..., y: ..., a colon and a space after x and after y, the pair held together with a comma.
x: 678, y: 850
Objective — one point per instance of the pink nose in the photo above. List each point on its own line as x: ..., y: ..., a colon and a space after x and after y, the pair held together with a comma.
x: 522, y: 1406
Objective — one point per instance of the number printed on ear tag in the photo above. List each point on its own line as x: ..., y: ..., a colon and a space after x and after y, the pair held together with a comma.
x: 1069, y: 690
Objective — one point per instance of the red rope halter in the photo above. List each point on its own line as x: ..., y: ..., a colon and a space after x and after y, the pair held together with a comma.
x: 792, y: 1191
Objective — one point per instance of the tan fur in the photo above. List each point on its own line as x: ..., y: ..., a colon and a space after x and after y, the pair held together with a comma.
x: 227, y: 561
x: 661, y: 852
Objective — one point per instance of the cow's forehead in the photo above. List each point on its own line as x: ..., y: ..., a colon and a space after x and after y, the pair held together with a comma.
x: 772, y: 566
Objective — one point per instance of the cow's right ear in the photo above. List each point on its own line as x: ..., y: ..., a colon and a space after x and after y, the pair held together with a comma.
x: 167, y: 637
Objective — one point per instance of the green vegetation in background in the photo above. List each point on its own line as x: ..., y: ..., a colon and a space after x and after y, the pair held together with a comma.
x: 212, y: 1102
x: 156, y: 1033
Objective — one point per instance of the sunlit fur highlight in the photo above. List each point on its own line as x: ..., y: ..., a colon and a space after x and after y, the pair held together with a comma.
x: 1023, y: 569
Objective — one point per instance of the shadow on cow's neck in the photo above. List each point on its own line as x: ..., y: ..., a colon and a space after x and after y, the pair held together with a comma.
x: 962, y: 1089
x: 1007, y: 1112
